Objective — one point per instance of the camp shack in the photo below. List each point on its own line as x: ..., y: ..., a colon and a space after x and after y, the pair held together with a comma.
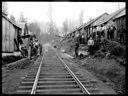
x: 87, y: 28
x: 109, y: 20
x: 119, y: 20
x: 9, y: 35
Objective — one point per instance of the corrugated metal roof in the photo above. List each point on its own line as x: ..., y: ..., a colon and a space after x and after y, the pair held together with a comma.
x: 121, y: 14
x: 111, y: 16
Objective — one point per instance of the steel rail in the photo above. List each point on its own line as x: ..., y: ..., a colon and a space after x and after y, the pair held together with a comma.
x: 85, y: 91
x: 33, y: 91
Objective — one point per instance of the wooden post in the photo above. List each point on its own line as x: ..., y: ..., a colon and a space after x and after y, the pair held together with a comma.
x: 29, y: 52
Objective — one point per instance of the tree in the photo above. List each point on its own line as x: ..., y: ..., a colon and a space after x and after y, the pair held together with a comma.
x: 90, y: 19
x: 50, y: 30
x: 73, y: 25
x: 5, y: 7
x: 13, y: 18
x: 34, y: 27
x: 55, y: 29
x: 65, y: 27
x: 22, y: 18
x: 81, y: 17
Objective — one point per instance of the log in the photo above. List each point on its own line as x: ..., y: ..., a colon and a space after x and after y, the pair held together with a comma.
x: 11, y: 54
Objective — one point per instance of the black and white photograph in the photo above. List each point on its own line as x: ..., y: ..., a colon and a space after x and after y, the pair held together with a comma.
x: 63, y: 48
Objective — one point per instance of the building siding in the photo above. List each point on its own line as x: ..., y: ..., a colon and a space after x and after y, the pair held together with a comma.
x: 118, y: 22
x: 8, y: 33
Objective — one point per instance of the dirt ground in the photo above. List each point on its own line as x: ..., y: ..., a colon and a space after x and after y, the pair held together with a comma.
x: 109, y: 74
x: 76, y: 67
x: 12, y: 78
x: 107, y: 71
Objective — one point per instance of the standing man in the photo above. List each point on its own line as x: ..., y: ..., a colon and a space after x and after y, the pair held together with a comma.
x: 90, y: 44
x: 40, y: 49
x: 77, y: 45
x: 76, y: 49
x: 21, y: 45
x: 112, y: 32
x: 103, y: 30
x: 83, y: 39
x: 102, y: 42
x: 122, y: 32
x: 30, y: 47
x: 108, y: 32
x: 94, y: 33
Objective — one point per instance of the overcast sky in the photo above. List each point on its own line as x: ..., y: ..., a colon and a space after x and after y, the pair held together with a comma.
x: 62, y: 10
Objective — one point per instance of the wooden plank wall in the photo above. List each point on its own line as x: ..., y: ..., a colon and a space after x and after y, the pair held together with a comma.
x: 3, y: 34
x: 7, y: 36
x: 8, y: 33
x: 12, y: 33
x: 118, y: 23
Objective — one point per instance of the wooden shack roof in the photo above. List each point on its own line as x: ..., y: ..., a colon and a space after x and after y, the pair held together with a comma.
x: 3, y: 13
x: 90, y: 22
x: 102, y: 18
x: 96, y: 20
x: 122, y: 13
x: 21, y: 24
x: 13, y: 23
x: 111, y: 16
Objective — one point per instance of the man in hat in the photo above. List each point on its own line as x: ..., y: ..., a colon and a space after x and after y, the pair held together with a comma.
x: 122, y: 32
x: 90, y: 44
x: 77, y: 44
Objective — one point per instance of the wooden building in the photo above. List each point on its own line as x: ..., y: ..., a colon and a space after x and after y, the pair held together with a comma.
x: 119, y: 20
x: 9, y: 35
x: 87, y: 28
x: 109, y: 20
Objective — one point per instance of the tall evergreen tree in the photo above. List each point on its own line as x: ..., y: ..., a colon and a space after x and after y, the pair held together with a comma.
x: 13, y: 18
x: 22, y: 18
x: 81, y: 17
x: 5, y: 7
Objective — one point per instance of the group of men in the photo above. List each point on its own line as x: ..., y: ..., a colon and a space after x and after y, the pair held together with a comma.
x: 97, y: 37
x: 35, y: 48
x: 103, y: 30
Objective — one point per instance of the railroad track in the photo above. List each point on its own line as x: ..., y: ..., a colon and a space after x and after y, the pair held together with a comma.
x: 54, y: 78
